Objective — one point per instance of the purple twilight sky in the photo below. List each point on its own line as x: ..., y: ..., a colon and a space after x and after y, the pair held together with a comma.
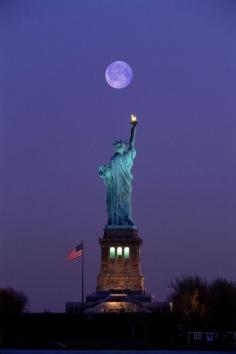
x: 59, y: 118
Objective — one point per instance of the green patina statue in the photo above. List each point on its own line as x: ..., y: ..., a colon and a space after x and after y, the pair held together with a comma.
x: 118, y: 177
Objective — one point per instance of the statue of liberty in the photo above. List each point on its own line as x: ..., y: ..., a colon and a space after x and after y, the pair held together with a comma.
x: 118, y: 177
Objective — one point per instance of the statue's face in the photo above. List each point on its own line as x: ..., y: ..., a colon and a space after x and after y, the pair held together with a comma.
x: 120, y: 148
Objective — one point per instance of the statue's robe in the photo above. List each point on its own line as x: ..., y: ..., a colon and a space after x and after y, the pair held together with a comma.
x: 118, y: 177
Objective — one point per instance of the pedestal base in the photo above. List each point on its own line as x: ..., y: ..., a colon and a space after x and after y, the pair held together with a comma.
x: 119, y: 302
x: 120, y: 261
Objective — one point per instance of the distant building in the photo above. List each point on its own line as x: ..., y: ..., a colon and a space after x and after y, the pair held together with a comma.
x: 210, y: 337
x: 115, y: 302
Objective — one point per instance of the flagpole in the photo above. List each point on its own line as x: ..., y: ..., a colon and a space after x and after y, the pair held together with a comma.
x: 82, y: 278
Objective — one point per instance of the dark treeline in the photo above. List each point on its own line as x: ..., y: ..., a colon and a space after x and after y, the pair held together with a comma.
x: 198, y: 305
x: 107, y: 330
x: 204, y: 304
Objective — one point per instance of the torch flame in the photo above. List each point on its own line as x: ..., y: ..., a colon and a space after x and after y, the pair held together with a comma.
x: 133, y: 118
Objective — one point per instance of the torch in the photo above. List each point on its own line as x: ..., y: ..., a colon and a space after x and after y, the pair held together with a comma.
x: 133, y: 119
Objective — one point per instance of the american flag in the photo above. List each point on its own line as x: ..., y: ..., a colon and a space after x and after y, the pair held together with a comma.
x: 75, y: 252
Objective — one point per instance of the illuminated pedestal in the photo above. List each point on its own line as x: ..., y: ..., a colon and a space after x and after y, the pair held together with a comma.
x: 120, y: 284
x: 120, y: 261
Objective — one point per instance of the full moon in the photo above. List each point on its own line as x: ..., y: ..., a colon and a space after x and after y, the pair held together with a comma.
x: 119, y: 74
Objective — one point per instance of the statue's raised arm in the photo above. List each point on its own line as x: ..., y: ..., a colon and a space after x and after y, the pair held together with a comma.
x: 133, y: 134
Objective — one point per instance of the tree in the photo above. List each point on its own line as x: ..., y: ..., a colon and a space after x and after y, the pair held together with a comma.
x: 189, y: 298
x: 222, y: 304
x: 197, y: 302
x: 12, y: 302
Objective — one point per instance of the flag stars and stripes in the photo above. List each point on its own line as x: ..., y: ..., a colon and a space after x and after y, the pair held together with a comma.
x: 75, y: 252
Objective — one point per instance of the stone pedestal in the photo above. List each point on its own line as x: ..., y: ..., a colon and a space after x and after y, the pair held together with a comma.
x: 120, y: 261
